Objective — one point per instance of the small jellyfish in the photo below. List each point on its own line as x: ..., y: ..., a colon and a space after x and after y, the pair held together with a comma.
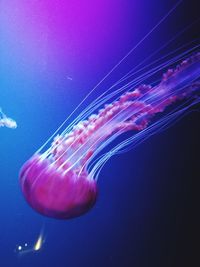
x: 61, y: 181
x: 6, y: 121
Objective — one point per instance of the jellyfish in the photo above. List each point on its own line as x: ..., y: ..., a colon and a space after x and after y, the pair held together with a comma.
x: 60, y: 180
x: 6, y: 121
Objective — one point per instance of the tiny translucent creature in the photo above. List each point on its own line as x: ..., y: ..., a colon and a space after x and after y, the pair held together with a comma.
x: 61, y: 182
x: 6, y: 121
x: 69, y: 78
x: 19, y: 248
x: 25, y: 249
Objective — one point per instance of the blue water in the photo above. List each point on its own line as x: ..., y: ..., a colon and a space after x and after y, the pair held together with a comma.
x: 147, y: 207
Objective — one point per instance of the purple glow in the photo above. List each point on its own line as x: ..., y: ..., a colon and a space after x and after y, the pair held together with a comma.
x: 61, y: 183
x: 53, y: 35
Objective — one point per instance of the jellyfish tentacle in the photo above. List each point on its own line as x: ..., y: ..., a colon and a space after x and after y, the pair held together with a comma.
x: 120, y: 109
x: 60, y: 183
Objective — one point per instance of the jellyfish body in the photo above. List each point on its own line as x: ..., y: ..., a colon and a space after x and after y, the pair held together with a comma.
x: 55, y: 193
x: 6, y: 121
x: 60, y: 183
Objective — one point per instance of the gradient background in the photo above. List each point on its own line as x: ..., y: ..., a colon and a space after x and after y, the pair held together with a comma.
x: 148, y: 206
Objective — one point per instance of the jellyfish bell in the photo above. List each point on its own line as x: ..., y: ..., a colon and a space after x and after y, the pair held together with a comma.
x: 54, y: 191
x: 10, y: 123
x: 6, y: 121
x: 61, y: 182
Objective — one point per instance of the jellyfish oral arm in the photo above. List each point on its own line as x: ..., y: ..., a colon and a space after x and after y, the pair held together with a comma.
x: 58, y: 183
x: 133, y: 111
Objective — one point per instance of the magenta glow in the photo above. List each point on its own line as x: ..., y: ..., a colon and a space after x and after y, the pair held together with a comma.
x: 61, y: 181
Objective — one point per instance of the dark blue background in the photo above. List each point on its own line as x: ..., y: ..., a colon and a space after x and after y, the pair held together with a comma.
x: 148, y: 205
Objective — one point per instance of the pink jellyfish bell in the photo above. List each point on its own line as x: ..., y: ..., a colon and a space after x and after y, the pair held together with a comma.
x: 61, y: 182
x: 54, y: 191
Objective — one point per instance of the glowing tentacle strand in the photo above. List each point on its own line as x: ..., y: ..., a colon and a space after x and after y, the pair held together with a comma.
x: 57, y: 183
x: 133, y: 111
